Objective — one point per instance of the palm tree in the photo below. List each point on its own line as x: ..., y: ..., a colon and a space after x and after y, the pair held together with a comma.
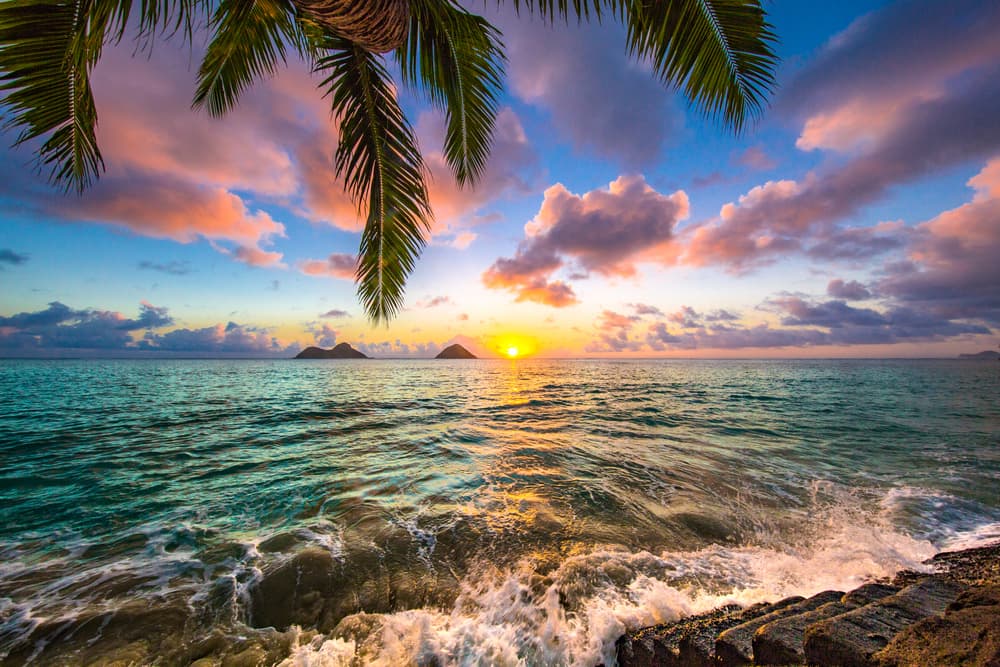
x: 719, y: 52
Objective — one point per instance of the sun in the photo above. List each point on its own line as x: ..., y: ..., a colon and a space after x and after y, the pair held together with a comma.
x: 512, y: 351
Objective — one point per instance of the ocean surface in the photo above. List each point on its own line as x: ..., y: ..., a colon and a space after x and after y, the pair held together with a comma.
x: 475, y: 512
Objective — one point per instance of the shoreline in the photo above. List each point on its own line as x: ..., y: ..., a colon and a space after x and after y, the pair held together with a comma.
x: 948, y: 616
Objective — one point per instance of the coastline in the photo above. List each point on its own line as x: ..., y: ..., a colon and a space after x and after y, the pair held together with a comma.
x: 948, y: 616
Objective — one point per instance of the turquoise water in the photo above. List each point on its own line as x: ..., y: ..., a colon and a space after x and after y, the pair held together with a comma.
x: 519, y: 512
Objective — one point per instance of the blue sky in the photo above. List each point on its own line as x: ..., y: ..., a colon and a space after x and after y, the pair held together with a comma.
x: 857, y: 218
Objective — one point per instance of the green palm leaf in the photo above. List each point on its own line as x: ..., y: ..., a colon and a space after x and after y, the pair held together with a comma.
x: 248, y: 41
x: 378, y: 159
x: 47, y: 50
x: 457, y: 58
x: 719, y: 51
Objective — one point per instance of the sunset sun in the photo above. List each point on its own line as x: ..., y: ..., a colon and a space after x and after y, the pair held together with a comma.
x: 512, y: 351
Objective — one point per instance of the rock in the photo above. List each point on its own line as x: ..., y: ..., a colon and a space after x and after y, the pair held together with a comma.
x: 660, y: 645
x: 779, y: 642
x: 689, y: 642
x: 455, y: 351
x: 852, y: 639
x: 340, y: 351
x: 967, y: 634
x: 698, y: 647
x: 295, y: 592
x: 735, y: 645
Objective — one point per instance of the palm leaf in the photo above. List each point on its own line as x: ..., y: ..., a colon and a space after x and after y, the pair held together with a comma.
x: 47, y: 49
x: 378, y: 158
x: 718, y: 51
x: 248, y: 41
x: 457, y: 58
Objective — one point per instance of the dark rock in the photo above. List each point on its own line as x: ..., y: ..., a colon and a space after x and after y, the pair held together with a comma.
x: 967, y: 634
x: 455, y: 351
x: 852, y: 639
x: 295, y: 592
x: 779, y: 642
x: 689, y: 642
x: 340, y: 351
x: 735, y: 645
x: 698, y: 647
x: 660, y: 645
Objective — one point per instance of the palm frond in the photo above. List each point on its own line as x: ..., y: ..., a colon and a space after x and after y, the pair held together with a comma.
x: 47, y: 50
x: 457, y: 58
x: 720, y: 52
x: 583, y: 10
x: 378, y: 158
x: 249, y: 39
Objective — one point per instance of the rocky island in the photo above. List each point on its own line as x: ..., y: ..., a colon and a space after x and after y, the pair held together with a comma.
x: 340, y: 351
x: 987, y: 355
x: 455, y: 351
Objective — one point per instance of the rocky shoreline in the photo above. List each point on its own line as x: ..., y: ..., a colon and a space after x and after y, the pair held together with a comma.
x: 949, y: 616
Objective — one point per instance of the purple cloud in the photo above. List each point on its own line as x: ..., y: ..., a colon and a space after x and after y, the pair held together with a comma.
x: 850, y: 291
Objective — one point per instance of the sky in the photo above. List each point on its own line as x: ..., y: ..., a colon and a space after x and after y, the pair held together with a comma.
x: 859, y: 217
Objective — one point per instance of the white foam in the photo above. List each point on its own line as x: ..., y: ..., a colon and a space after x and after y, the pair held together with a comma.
x: 591, y: 599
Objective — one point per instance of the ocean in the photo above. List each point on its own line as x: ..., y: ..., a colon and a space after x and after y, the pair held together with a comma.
x: 485, y: 512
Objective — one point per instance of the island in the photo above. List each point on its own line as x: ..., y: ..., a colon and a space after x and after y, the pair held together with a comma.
x: 984, y: 355
x: 455, y: 351
x: 340, y: 351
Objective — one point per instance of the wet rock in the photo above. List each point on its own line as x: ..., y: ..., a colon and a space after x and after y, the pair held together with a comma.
x: 967, y: 634
x: 660, y: 645
x: 689, y: 642
x: 853, y: 638
x: 295, y: 593
x: 735, y: 645
x: 278, y: 543
x: 698, y: 647
x: 779, y: 642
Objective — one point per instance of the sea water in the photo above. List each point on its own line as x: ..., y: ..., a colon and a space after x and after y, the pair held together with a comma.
x: 486, y: 512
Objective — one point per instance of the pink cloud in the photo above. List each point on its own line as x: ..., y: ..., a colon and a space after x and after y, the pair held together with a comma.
x: 603, y: 231
x: 337, y: 265
x: 257, y: 257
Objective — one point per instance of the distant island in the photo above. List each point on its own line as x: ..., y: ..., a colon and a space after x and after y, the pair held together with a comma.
x: 340, y: 351
x: 455, y: 351
x: 985, y: 355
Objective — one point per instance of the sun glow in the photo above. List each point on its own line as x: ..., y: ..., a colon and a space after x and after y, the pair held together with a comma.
x: 512, y: 351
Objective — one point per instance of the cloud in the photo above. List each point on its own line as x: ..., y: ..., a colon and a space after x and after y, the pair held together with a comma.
x: 433, y: 302
x: 397, y: 348
x: 463, y: 317
x: 324, y: 335
x: 8, y: 256
x: 850, y: 291
x: 336, y: 313
x: 755, y: 157
x: 176, y: 210
x: 645, y: 309
x: 257, y: 257
x: 599, y: 100
x: 338, y: 265
x: 603, y: 231
x: 952, y: 268
x: 893, y: 110
x: 871, y: 76
x: 59, y: 326
x: 228, y: 339
x: 173, y: 268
